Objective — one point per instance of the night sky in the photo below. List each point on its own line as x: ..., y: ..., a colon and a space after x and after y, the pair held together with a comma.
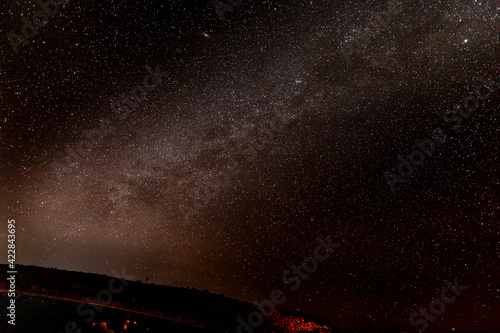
x: 261, y: 130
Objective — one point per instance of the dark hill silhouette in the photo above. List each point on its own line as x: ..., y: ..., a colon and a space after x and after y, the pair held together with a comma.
x: 48, y: 299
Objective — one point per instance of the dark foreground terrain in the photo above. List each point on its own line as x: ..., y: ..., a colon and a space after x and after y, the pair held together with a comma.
x: 42, y: 314
x: 57, y: 301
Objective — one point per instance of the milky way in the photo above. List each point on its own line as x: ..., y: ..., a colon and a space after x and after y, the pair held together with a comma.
x: 271, y: 136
